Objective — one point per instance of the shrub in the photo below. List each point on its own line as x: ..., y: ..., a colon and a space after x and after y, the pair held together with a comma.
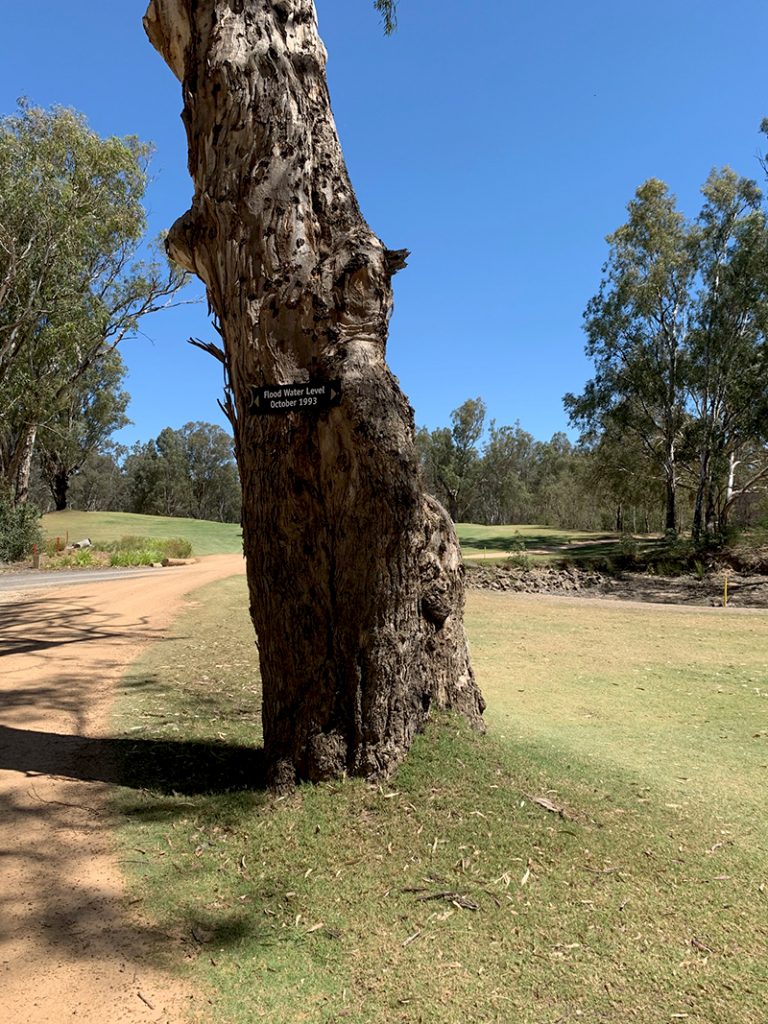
x: 128, y: 543
x: 126, y: 559
x: 20, y: 530
x: 130, y: 551
x: 520, y: 561
x: 158, y: 548
x: 176, y: 547
x: 628, y: 546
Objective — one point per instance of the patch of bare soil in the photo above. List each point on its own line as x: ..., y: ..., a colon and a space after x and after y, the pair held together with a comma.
x: 72, y: 947
x: 744, y: 590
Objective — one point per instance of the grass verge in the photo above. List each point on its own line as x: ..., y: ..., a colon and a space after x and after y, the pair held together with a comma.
x: 599, y: 856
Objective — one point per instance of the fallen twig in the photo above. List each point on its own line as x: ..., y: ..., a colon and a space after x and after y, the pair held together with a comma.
x: 459, y: 900
x: 61, y: 803
x: 547, y: 804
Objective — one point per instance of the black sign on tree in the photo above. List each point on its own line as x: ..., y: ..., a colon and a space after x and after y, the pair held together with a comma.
x: 312, y: 396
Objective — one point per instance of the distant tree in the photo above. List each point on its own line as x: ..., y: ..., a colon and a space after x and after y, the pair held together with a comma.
x: 215, y: 487
x: 71, y: 284
x: 558, y: 497
x: 677, y: 334
x: 189, y: 472
x: 100, y: 485
x: 727, y: 351
x: 450, y: 457
x: 157, y: 476
x: 637, y: 327
x: 624, y: 482
x: 90, y: 411
x: 505, y: 476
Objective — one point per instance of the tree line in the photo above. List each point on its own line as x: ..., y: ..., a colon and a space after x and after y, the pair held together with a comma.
x: 673, y: 424
x: 486, y: 473
x: 491, y: 474
x: 188, y: 472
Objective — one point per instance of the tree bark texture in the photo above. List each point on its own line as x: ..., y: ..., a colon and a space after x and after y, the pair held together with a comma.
x: 21, y: 464
x: 355, y: 576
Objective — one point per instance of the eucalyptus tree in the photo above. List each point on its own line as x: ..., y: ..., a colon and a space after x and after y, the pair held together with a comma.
x: 355, y: 576
x: 637, y: 327
x: 72, y: 285
x: 677, y: 334
x: 215, y: 488
x: 506, y: 475
x: 728, y: 352
x: 90, y: 411
x: 157, y: 476
x: 451, y: 460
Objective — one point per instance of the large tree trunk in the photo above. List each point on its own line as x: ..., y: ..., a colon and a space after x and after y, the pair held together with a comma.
x: 59, y: 488
x: 21, y: 464
x: 355, y: 576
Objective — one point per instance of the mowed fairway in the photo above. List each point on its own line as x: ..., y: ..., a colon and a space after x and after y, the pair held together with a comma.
x: 205, y: 537
x: 677, y: 696
x: 599, y: 856
x: 544, y: 542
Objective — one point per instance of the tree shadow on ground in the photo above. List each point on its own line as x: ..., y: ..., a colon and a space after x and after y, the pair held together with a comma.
x: 168, y: 767
x: 546, y: 541
x: 31, y: 626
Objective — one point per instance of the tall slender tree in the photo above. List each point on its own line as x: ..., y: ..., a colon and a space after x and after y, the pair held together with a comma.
x: 728, y: 351
x: 355, y: 576
x: 636, y: 327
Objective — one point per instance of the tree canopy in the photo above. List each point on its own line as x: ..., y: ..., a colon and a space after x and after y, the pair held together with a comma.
x: 677, y: 336
x: 73, y: 284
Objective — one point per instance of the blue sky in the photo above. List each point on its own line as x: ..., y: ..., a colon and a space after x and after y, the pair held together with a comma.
x: 498, y: 140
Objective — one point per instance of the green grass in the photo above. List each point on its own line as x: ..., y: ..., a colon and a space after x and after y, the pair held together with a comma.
x: 205, y: 537
x: 474, y: 536
x: 645, y: 900
x: 541, y: 544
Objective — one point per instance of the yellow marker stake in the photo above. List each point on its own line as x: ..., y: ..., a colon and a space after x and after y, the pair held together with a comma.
x: 725, y: 592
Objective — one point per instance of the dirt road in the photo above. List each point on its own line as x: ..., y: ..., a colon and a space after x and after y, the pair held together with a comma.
x: 71, y: 946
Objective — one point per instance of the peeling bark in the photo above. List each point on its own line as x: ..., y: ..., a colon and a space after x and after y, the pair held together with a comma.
x: 355, y: 576
x: 19, y: 464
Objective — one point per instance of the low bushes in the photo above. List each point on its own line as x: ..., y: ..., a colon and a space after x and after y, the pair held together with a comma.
x: 126, y: 553
x: 20, y: 530
x: 130, y: 551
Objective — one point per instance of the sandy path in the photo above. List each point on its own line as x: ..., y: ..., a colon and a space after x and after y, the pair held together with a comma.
x: 71, y: 946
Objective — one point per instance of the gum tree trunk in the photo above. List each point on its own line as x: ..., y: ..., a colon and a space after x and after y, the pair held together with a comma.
x: 355, y: 577
x: 21, y: 464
